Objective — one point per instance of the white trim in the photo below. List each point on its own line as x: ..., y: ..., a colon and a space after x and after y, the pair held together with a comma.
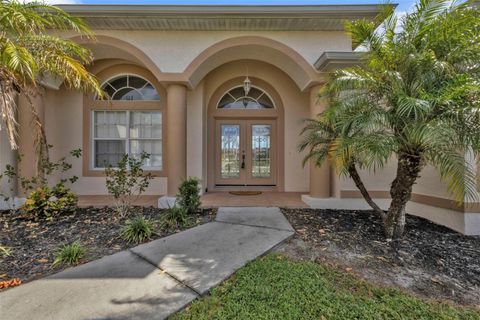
x: 343, y: 204
x: 128, y: 75
x: 264, y: 92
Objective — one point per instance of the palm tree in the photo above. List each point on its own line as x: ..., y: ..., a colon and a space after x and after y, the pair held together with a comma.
x: 324, y: 139
x: 415, y: 99
x: 28, y: 52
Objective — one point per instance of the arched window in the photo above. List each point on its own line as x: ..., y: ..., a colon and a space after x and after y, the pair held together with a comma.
x: 130, y: 124
x: 130, y: 88
x: 237, y: 98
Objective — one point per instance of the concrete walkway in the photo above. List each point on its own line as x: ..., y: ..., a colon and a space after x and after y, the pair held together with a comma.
x: 156, y: 279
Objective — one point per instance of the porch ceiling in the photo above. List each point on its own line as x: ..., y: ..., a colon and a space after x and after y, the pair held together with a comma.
x: 217, y: 18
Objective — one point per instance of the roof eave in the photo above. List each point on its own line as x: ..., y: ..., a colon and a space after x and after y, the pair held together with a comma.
x: 198, y: 10
x: 333, y: 60
x: 271, y: 18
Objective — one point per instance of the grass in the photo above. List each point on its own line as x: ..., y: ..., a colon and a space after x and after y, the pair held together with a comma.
x: 70, y: 254
x: 275, y: 287
x: 137, y: 230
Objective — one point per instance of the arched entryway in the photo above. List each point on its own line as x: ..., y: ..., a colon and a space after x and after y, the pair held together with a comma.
x: 245, y: 140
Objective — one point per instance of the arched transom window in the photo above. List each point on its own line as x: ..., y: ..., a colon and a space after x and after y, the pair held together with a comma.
x: 239, y: 98
x: 130, y: 88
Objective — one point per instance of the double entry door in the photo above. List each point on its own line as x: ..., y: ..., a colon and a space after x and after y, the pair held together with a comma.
x: 245, y: 152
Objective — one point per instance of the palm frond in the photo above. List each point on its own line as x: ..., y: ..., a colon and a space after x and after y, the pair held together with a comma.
x: 417, y: 92
x: 18, y: 59
x: 28, y: 49
x: 460, y: 178
x: 36, y: 17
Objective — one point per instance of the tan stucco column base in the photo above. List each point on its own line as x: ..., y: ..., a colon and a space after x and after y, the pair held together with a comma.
x: 319, y: 176
x: 27, y: 167
x: 176, y: 136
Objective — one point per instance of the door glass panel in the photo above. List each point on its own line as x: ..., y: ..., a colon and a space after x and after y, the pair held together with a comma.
x: 230, y: 151
x: 261, y: 136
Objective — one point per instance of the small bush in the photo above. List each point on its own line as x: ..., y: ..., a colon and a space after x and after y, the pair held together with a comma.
x: 70, y: 254
x: 47, y: 203
x: 46, y: 169
x: 137, y: 230
x: 188, y: 196
x: 175, y: 218
x: 126, y: 181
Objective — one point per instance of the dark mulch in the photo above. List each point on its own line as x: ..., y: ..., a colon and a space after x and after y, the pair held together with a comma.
x: 431, y: 260
x: 33, y: 243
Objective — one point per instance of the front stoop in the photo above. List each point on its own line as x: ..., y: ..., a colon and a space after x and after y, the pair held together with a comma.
x: 154, y: 280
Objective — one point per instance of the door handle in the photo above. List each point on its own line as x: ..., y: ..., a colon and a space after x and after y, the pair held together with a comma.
x: 243, y: 160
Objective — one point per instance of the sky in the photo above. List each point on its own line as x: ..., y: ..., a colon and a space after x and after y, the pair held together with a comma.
x: 403, y: 5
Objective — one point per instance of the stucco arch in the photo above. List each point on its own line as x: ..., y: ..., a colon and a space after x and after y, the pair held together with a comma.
x: 254, y: 48
x: 123, y: 51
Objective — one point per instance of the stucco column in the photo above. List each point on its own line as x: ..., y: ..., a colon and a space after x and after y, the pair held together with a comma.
x: 320, y: 178
x: 26, y: 133
x: 176, y: 136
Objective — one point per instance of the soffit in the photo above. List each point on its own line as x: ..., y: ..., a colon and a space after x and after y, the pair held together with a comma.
x: 221, y: 18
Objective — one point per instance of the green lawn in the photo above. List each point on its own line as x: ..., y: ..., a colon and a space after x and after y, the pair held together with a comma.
x: 275, y: 287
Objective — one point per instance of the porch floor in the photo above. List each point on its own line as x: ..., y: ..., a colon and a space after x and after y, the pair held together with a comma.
x: 212, y: 199
x: 266, y: 199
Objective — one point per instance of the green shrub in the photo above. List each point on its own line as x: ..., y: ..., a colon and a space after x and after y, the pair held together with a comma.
x: 175, y: 218
x: 43, y: 200
x: 137, y: 230
x: 188, y: 196
x: 70, y: 254
x: 126, y: 181
x: 46, y: 169
x: 47, y: 203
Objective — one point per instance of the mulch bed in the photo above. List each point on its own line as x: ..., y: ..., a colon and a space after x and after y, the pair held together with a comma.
x: 431, y: 260
x: 33, y: 243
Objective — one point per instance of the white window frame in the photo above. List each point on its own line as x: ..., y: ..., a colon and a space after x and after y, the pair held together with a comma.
x: 126, y: 139
x: 127, y: 75
x: 264, y: 92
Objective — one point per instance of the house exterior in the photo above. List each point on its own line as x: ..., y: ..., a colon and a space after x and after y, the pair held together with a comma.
x: 219, y: 93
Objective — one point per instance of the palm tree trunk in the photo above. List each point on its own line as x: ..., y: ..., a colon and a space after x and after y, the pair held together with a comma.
x: 352, y: 170
x: 40, y: 138
x: 408, y: 170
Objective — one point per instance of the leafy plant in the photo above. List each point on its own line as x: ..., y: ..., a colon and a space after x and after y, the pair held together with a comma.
x: 415, y: 98
x: 47, y: 169
x: 188, y: 195
x: 137, y: 230
x: 48, y: 203
x: 175, y: 218
x: 70, y: 254
x: 127, y: 181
